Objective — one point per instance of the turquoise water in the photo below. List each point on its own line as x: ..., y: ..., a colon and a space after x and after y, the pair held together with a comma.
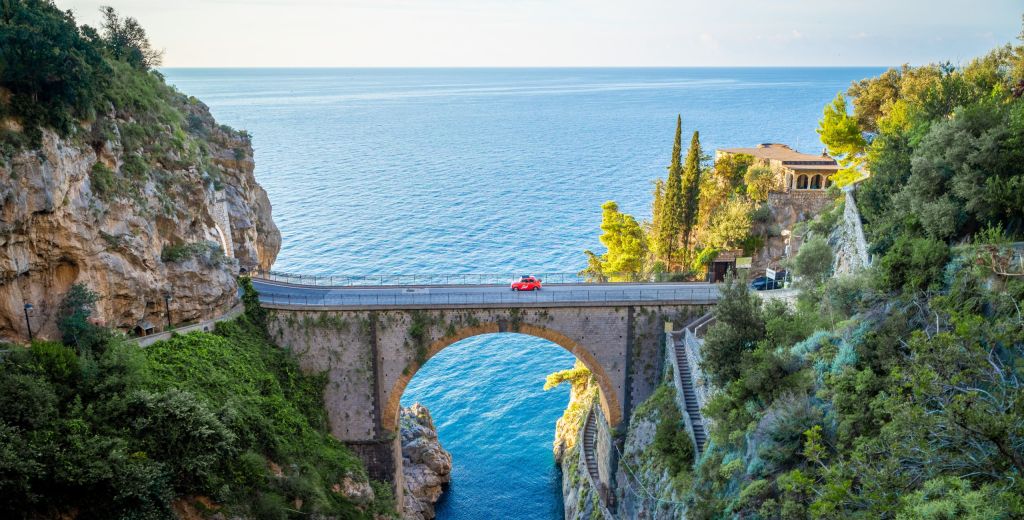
x: 487, y: 170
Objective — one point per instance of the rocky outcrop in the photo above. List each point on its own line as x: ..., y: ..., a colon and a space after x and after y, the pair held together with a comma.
x: 847, y: 239
x: 579, y: 498
x: 134, y: 207
x: 646, y: 489
x: 426, y: 466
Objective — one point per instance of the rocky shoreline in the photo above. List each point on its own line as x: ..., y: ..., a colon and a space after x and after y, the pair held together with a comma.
x: 426, y: 466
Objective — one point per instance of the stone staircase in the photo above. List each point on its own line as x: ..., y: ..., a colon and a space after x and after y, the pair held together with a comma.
x: 700, y: 435
x: 590, y: 446
x: 588, y: 458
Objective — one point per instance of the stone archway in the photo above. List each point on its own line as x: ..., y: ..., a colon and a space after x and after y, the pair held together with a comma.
x: 610, y: 400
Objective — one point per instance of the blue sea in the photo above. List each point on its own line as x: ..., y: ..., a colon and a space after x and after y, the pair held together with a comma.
x: 404, y: 171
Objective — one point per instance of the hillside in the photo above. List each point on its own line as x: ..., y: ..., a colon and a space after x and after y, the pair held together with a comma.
x: 111, y: 178
x: 894, y: 390
x: 116, y: 192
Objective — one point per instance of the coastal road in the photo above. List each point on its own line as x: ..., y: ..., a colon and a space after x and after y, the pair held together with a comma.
x: 284, y: 294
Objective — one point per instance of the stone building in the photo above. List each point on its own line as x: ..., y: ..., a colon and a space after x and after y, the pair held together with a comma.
x: 800, y: 192
x: 795, y: 172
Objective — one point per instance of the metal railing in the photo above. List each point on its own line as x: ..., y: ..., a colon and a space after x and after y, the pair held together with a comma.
x: 364, y: 280
x: 425, y: 297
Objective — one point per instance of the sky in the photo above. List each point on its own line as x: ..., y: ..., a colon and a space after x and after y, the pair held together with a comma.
x: 553, y: 33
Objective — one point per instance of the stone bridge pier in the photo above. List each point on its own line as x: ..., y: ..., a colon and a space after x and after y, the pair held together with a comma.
x: 371, y: 354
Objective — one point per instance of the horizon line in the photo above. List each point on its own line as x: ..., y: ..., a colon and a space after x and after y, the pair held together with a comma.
x: 526, y: 67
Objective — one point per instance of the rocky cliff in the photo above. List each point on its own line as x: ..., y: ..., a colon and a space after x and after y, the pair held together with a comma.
x: 151, y: 198
x: 579, y: 498
x: 426, y: 466
x: 646, y: 487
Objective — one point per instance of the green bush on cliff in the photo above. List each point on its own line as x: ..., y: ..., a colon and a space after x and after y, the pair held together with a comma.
x: 895, y: 392
x: 115, y: 431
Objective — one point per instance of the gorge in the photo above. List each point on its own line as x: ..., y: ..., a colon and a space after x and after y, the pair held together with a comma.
x: 127, y: 209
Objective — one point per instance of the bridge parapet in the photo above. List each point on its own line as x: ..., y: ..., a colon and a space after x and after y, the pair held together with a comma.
x: 448, y: 279
x: 425, y: 299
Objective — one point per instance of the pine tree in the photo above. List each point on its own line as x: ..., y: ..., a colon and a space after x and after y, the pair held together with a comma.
x: 690, y: 191
x: 626, y: 243
x: 670, y: 218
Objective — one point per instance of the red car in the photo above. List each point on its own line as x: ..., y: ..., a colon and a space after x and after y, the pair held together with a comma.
x: 526, y: 283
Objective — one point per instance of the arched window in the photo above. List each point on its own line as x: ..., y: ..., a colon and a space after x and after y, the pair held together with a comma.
x: 789, y: 182
x: 816, y: 182
x: 828, y: 182
x: 801, y: 182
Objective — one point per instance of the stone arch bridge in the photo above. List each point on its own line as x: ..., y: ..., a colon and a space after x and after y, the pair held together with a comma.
x: 371, y: 342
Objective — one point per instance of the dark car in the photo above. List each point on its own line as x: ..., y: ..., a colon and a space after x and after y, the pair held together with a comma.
x: 763, y: 283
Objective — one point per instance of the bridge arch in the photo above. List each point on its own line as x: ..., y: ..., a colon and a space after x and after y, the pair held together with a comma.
x: 610, y: 400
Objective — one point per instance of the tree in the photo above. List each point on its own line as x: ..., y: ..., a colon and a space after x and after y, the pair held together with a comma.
x: 626, y: 243
x: 813, y: 261
x: 126, y: 40
x: 738, y: 327
x: 657, y: 201
x: 723, y: 181
x: 759, y: 180
x: 671, y: 215
x: 730, y: 225
x: 842, y: 137
x: 53, y: 70
x: 594, y: 272
x: 73, y: 317
x: 691, y: 189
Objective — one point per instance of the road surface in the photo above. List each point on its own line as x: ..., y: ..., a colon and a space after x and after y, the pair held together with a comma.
x: 278, y: 293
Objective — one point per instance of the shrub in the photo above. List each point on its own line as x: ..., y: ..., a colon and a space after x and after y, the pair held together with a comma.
x: 739, y: 326
x: 671, y: 441
x: 102, y: 181
x: 53, y: 69
x: 176, y: 427
x: 813, y: 261
x: 826, y: 221
x: 73, y: 318
x: 913, y: 264
x: 210, y: 253
x: 779, y: 437
x: 55, y: 360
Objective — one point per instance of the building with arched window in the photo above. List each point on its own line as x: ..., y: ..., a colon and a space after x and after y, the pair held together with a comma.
x: 795, y: 171
x: 799, y: 192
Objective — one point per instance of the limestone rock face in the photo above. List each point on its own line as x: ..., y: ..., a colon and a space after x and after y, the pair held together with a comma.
x: 426, y: 466
x: 85, y: 209
x: 661, y: 500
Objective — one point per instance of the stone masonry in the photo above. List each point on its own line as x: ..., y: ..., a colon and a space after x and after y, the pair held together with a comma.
x: 370, y: 356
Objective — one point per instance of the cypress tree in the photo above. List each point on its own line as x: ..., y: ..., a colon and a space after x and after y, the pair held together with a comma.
x: 670, y: 219
x: 690, y: 189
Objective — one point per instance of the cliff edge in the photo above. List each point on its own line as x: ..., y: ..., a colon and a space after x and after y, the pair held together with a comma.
x: 150, y: 199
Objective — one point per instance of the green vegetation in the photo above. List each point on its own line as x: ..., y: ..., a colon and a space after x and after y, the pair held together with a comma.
x: 671, y: 442
x: 893, y: 392
x: 691, y: 190
x: 698, y: 211
x: 96, y: 88
x: 105, y: 429
x: 669, y: 213
x: 209, y: 252
x: 627, y: 247
x: 58, y: 73
x: 578, y: 377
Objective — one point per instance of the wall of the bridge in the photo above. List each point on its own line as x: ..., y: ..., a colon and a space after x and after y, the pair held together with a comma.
x: 370, y: 355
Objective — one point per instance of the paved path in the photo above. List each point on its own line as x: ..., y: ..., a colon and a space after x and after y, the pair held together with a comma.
x: 205, y: 326
x: 275, y: 293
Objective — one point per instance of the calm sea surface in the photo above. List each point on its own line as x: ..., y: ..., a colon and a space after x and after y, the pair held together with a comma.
x: 376, y: 171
